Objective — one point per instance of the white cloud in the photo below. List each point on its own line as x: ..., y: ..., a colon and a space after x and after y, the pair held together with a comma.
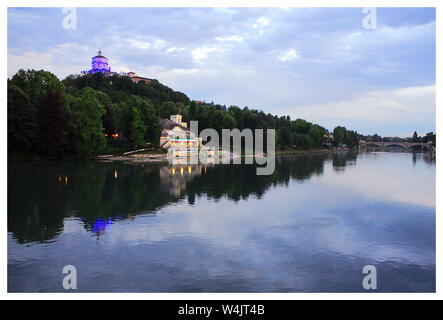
x: 202, y: 53
x: 263, y: 21
x: 235, y: 38
x: 289, y: 55
x: 59, y: 60
x: 159, y: 44
x: 175, y: 50
x: 155, y: 44
x: 140, y: 44
x: 403, y: 106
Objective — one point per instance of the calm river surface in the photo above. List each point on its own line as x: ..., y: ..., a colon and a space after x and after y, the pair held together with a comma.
x: 311, y: 226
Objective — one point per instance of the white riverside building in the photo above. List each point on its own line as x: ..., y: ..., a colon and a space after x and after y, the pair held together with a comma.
x: 179, y: 140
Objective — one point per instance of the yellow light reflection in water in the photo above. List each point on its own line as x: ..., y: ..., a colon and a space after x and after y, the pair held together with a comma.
x: 173, y: 171
x: 115, y: 174
x: 189, y: 169
x: 66, y: 180
x: 181, y: 171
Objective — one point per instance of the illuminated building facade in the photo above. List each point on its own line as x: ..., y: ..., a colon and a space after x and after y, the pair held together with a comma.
x: 100, y: 64
x: 175, y: 133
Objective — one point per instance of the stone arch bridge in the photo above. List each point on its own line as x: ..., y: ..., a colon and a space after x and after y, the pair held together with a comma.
x: 405, y: 145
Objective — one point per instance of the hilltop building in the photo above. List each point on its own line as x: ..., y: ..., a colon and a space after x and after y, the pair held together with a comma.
x: 137, y: 79
x: 100, y: 64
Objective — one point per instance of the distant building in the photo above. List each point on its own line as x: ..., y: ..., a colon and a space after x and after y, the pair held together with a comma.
x: 137, y: 79
x: 328, y: 138
x: 200, y: 102
x: 100, y: 64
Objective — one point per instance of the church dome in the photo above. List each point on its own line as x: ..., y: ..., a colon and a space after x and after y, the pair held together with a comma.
x: 100, y: 64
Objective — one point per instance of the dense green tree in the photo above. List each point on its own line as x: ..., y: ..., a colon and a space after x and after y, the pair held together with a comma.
x: 351, y: 139
x: 301, y: 126
x: 22, y: 120
x: 192, y: 110
x: 316, y: 133
x: 307, y: 141
x: 109, y: 121
x: 37, y: 83
x: 87, y: 136
x: 339, y: 134
x: 237, y: 113
x: 221, y: 120
x: 286, y: 137
x: 52, y: 121
x: 166, y: 109
x: 137, y: 129
x: 149, y: 118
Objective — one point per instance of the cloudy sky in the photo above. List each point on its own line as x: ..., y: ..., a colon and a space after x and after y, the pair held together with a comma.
x: 318, y: 64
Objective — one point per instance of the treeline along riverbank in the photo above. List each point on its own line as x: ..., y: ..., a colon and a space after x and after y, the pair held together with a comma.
x: 87, y: 115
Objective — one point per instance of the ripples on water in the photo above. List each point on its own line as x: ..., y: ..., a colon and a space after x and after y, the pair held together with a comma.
x: 311, y: 226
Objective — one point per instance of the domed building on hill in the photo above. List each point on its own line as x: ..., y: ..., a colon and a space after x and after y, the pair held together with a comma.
x: 100, y: 64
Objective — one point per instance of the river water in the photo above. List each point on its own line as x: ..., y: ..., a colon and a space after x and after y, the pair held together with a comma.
x: 311, y: 226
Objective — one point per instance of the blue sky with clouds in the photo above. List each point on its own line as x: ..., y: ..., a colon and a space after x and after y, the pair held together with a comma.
x: 319, y: 64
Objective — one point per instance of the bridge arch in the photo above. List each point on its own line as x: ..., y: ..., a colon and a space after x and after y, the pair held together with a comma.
x: 405, y: 145
x: 394, y: 144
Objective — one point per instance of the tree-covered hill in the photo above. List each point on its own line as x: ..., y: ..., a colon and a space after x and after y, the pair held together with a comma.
x: 84, y: 115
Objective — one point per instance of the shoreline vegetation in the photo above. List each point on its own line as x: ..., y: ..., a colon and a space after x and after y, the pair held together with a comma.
x: 88, y: 115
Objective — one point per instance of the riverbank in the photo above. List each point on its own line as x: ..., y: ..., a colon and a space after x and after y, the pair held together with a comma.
x: 152, y: 155
x: 293, y: 151
x: 162, y: 157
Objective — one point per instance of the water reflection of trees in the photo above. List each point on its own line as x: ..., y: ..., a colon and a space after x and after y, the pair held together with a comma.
x: 428, y: 158
x: 341, y: 160
x: 42, y: 194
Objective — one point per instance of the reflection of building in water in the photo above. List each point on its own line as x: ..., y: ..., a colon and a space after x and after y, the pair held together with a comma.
x: 175, y: 177
x: 100, y: 225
